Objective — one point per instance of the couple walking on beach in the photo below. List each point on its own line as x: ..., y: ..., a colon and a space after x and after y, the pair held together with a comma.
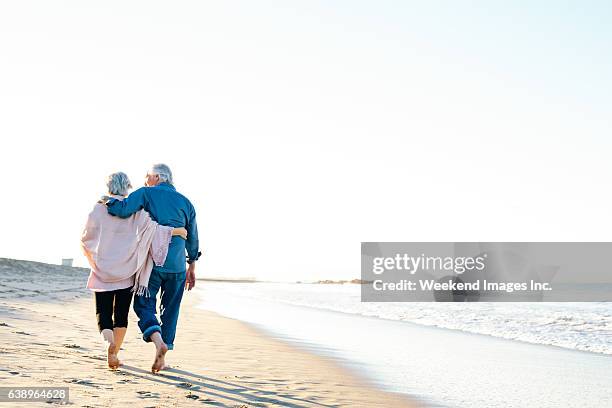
x: 137, y: 244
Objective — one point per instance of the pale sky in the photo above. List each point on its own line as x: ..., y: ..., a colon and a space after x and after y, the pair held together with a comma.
x: 300, y: 129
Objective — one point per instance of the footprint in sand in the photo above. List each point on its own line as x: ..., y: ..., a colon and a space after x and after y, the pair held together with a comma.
x: 72, y: 346
x: 147, y: 394
x: 82, y: 382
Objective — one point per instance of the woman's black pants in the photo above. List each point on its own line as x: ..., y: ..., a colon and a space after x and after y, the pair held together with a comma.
x: 112, y: 308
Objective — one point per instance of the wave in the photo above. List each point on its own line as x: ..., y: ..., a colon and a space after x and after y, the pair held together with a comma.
x: 577, y: 326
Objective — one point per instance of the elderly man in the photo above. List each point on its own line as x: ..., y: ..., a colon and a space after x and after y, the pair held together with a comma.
x: 167, y: 207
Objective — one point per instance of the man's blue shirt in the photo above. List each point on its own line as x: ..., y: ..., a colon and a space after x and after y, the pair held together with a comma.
x: 167, y: 207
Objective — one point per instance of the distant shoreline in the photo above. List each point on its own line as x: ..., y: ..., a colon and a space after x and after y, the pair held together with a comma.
x: 318, y: 282
x: 229, y: 280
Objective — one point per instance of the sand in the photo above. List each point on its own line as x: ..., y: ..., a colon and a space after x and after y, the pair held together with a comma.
x: 49, y: 337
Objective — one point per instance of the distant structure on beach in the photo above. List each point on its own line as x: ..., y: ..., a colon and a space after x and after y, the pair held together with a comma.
x: 67, y: 261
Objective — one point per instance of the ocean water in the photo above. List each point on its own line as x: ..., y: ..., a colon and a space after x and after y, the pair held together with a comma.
x: 449, y: 355
x: 576, y: 326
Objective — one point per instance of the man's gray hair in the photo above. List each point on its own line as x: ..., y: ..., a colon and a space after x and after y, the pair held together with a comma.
x: 163, y: 171
x: 118, y: 183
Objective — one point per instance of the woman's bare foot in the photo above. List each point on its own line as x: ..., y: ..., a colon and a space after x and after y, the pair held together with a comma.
x: 113, y: 361
x: 160, y: 354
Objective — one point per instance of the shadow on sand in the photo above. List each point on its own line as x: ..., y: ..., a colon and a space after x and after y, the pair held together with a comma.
x: 204, y: 389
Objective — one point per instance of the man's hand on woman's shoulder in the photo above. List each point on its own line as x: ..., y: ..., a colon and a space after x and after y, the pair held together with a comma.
x: 104, y: 199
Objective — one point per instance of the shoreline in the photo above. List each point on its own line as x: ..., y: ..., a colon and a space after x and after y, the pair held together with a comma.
x: 50, y: 338
x: 470, y: 331
x: 433, y: 365
x: 447, y: 330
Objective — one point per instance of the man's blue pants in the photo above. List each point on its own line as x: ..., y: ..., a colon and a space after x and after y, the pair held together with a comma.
x: 172, y: 286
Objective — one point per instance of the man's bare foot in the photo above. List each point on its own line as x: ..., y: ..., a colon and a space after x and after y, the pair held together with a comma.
x: 160, y: 354
x: 113, y: 361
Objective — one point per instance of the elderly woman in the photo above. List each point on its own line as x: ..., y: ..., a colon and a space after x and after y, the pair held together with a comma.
x: 121, y: 253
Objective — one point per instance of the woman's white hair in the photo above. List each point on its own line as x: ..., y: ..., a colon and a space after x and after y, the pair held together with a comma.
x: 163, y: 171
x: 118, y: 183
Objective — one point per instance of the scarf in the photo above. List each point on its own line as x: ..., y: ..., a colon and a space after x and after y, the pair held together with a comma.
x: 118, y: 249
